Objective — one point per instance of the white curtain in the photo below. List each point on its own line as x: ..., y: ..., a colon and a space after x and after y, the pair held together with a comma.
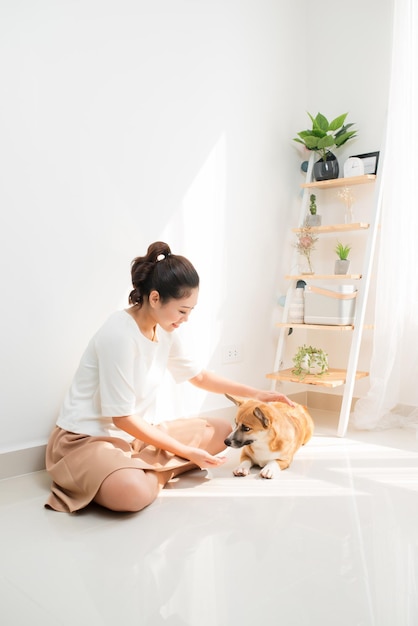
x: 393, y: 396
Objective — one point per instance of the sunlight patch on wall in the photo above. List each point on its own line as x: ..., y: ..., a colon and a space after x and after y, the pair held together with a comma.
x: 203, y: 217
x: 202, y: 239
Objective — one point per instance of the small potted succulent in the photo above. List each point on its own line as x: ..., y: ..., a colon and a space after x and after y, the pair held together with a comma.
x: 343, y: 262
x: 313, y: 219
x: 309, y: 360
x: 322, y: 138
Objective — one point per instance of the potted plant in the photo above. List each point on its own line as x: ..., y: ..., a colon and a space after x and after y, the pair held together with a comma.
x: 322, y: 138
x: 313, y: 218
x: 310, y: 360
x: 343, y: 262
x: 305, y: 244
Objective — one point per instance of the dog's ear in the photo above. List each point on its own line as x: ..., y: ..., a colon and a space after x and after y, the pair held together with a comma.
x: 235, y: 399
x: 260, y: 415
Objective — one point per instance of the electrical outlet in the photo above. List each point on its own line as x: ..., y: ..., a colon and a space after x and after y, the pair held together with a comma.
x: 231, y: 354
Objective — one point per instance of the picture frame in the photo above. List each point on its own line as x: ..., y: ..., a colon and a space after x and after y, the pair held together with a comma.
x: 370, y: 161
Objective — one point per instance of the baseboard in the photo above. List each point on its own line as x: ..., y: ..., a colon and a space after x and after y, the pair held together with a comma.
x: 26, y: 461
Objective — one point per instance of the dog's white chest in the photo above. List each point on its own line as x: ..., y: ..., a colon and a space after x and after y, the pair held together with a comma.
x: 261, y: 453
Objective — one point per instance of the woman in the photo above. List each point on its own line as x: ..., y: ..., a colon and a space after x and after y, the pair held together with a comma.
x: 104, y: 447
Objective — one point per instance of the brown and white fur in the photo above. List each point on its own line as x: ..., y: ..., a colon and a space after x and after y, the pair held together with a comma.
x: 269, y: 433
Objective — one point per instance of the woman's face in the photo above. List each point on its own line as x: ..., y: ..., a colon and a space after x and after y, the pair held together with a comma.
x: 171, y: 314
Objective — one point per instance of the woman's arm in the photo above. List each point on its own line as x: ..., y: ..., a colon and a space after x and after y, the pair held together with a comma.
x: 216, y: 384
x: 140, y: 429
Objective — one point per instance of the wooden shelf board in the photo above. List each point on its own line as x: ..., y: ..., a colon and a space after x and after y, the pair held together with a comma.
x: 341, y: 182
x: 315, y: 326
x: 335, y: 228
x: 306, y: 277
x: 333, y: 378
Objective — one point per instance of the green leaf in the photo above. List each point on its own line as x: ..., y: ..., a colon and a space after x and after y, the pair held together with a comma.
x: 311, y: 142
x: 312, y: 119
x: 311, y: 133
x: 338, y: 122
x: 326, y: 142
x: 302, y: 142
x: 304, y: 133
x: 321, y: 122
x: 344, y: 129
x: 339, y: 141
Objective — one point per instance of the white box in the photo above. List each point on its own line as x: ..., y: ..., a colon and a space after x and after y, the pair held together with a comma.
x: 333, y: 306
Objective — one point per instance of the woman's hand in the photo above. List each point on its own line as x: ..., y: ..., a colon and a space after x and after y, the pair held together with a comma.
x: 216, y: 384
x: 203, y: 459
x: 273, y: 396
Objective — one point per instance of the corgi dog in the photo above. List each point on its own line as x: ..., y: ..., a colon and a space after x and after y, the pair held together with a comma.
x: 270, y: 434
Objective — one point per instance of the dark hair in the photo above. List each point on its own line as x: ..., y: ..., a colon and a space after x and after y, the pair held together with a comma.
x: 173, y: 276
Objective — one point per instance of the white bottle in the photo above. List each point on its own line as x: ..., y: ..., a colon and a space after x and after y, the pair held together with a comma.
x: 297, y: 306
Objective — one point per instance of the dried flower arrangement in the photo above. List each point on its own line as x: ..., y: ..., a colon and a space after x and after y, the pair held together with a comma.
x: 346, y: 195
x: 305, y: 244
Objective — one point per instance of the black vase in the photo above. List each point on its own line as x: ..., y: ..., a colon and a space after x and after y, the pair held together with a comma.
x: 326, y: 170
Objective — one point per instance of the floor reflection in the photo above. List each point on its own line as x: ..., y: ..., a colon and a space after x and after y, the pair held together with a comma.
x: 332, y: 541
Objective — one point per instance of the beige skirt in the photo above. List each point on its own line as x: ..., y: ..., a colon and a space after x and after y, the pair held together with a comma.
x: 78, y: 464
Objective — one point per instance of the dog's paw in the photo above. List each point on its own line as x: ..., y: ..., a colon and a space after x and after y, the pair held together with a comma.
x: 271, y: 470
x: 241, y: 471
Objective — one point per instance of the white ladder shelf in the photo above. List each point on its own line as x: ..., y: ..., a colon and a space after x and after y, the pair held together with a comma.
x: 335, y: 377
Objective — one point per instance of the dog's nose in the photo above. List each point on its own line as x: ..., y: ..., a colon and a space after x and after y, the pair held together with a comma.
x: 227, y: 441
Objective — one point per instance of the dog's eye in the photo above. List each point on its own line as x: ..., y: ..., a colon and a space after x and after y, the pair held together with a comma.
x: 245, y: 429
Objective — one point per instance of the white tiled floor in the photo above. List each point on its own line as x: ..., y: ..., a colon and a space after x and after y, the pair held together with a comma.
x: 332, y: 542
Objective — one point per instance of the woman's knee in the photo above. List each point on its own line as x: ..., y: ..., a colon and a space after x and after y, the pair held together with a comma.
x: 128, y: 490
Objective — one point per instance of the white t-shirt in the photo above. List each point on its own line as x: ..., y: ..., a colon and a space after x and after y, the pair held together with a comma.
x: 119, y: 374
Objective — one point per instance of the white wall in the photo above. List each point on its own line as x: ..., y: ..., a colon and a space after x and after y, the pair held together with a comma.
x: 123, y: 122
